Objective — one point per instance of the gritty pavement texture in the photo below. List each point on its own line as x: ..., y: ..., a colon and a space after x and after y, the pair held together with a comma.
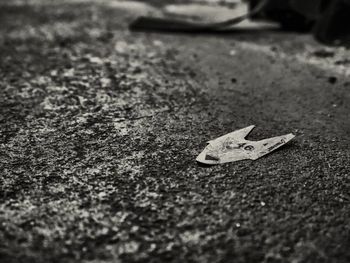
x: 100, y: 128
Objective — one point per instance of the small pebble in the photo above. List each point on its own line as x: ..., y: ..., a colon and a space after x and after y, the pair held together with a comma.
x: 233, y: 52
x: 332, y: 80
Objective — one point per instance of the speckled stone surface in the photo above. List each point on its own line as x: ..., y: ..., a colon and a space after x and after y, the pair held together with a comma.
x: 100, y: 128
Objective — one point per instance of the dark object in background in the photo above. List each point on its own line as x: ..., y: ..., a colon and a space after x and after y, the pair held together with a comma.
x: 334, y: 23
x: 283, y: 13
x: 329, y: 20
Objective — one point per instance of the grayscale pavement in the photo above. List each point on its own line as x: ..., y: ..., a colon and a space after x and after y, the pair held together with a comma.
x: 100, y: 128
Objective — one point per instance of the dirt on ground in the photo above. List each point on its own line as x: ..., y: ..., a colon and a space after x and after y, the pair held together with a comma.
x: 100, y: 128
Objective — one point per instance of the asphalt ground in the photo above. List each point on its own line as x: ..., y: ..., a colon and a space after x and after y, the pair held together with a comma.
x: 100, y: 128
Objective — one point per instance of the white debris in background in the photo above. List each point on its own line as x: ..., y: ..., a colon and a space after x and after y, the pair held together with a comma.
x: 208, y: 13
x: 205, y: 12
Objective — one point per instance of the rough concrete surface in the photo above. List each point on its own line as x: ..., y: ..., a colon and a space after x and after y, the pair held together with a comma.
x: 100, y: 128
